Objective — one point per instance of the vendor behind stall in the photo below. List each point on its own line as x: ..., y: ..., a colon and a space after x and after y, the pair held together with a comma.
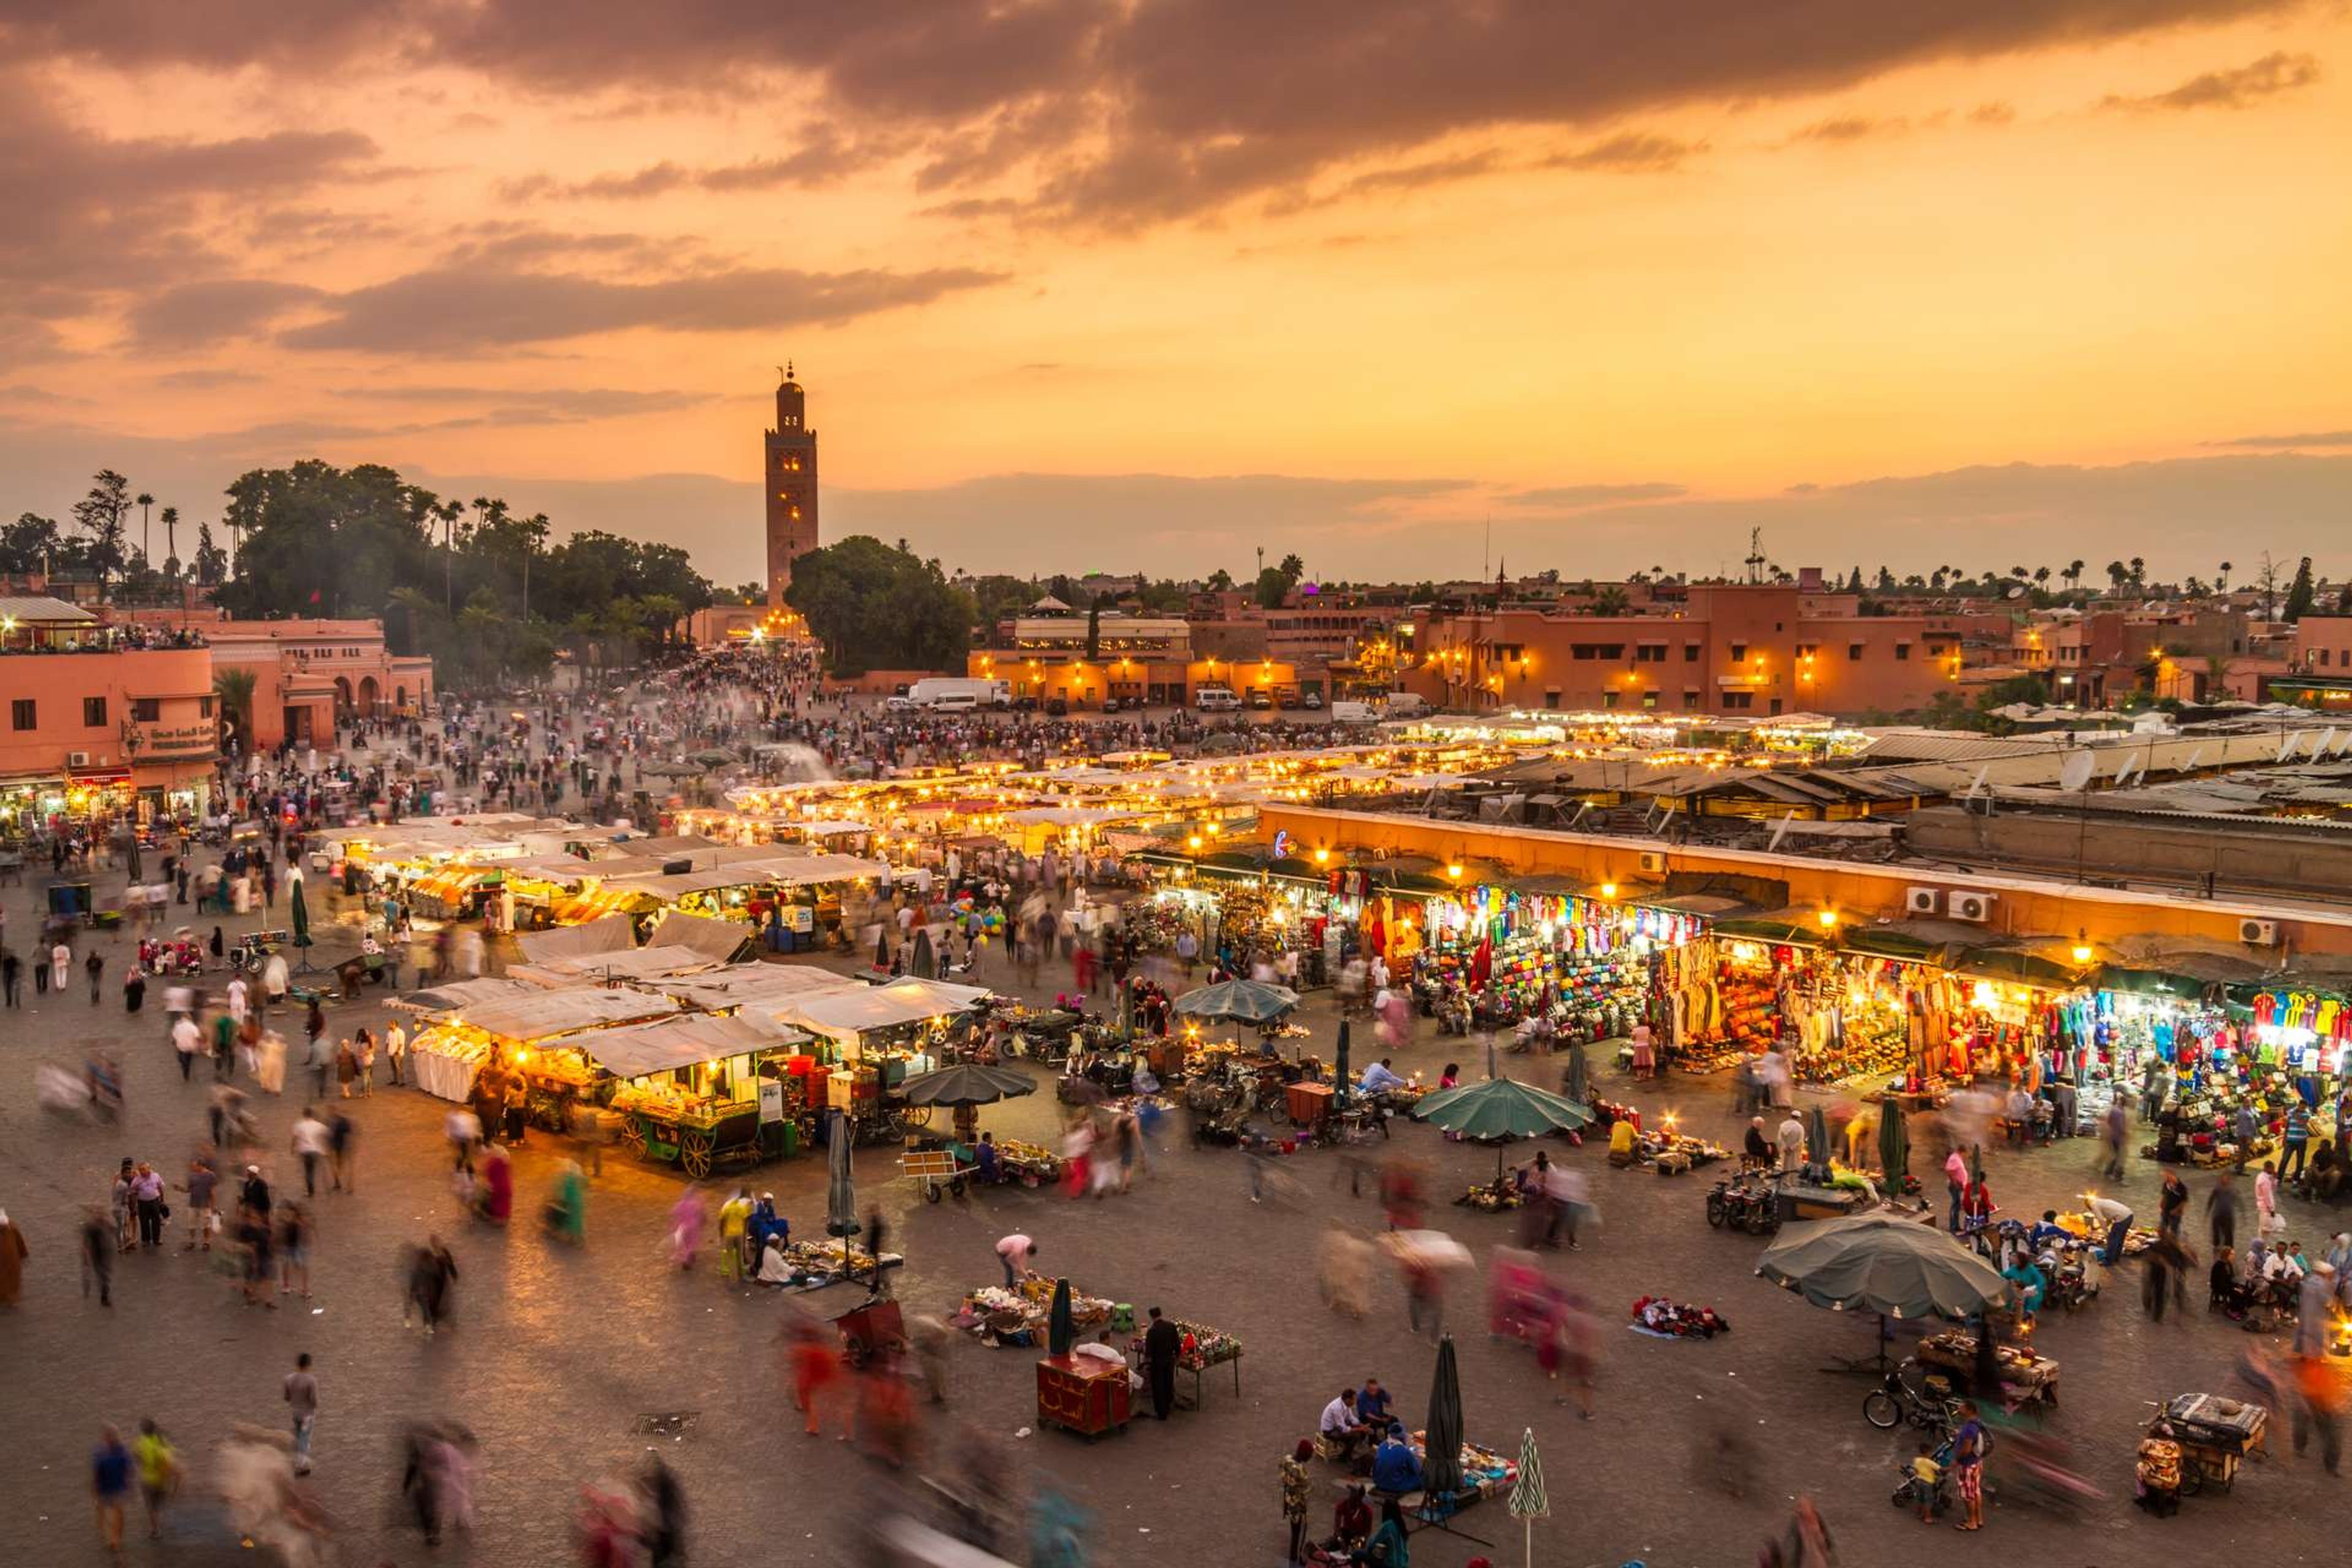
x: 1396, y: 1468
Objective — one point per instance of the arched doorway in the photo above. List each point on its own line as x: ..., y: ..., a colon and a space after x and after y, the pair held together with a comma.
x: 367, y: 696
x: 400, y: 700
x: 343, y: 695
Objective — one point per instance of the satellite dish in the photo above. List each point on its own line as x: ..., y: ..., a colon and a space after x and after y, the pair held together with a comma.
x: 2124, y: 770
x: 2287, y: 744
x: 2319, y: 748
x: 2018, y: 592
x: 1976, y: 785
x: 2194, y: 758
x: 2075, y: 776
x: 1780, y: 831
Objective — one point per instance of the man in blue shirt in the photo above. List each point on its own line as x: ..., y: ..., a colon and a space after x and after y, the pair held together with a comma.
x: 1378, y: 1078
x: 1395, y: 1466
x: 1372, y: 1403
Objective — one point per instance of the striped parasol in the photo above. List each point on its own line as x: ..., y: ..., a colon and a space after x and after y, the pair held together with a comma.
x: 1528, y: 1504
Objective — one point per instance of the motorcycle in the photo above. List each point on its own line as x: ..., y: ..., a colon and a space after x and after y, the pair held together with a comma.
x: 1746, y: 1204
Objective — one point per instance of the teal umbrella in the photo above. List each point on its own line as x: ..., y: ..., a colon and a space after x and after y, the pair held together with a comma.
x: 1441, y: 1461
x: 1242, y: 1001
x: 1500, y: 1109
x: 1894, y: 1143
x: 299, y: 910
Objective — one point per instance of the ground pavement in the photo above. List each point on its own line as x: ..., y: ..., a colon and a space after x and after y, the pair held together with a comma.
x: 557, y: 1357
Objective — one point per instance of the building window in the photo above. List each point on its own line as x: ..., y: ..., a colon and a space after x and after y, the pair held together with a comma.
x: 1650, y: 653
x: 1902, y: 651
x: 93, y: 712
x: 1854, y: 653
x: 147, y: 709
x: 1690, y: 702
x: 1807, y: 649
x: 203, y: 707
x: 1739, y: 700
x: 1740, y: 653
x: 1690, y: 653
x: 2322, y: 658
x: 1608, y: 698
x: 23, y: 714
x: 1649, y: 699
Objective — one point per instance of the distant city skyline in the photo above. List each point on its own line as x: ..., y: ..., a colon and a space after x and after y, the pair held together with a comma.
x: 1079, y: 287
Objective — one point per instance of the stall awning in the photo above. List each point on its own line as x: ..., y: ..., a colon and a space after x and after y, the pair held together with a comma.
x: 654, y: 962
x: 613, y: 934
x: 2014, y: 966
x: 756, y: 985
x: 721, y: 941
x: 846, y: 1014
x: 1789, y: 928
x: 552, y: 1012
x: 462, y: 994
x: 643, y: 1048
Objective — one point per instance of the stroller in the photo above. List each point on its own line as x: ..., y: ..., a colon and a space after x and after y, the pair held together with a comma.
x: 1937, y: 1495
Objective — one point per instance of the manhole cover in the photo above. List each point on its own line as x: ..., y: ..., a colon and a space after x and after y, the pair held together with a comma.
x: 666, y: 1424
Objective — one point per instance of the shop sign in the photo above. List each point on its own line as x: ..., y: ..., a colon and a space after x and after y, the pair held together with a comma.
x: 179, y: 740
x: 771, y: 1101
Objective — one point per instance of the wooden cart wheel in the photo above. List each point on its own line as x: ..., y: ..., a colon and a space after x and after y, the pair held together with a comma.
x: 694, y: 1153
x: 917, y: 1115
x: 632, y: 1133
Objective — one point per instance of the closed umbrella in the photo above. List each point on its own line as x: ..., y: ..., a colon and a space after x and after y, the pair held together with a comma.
x: 1061, y: 1334
x: 1441, y: 1464
x: 924, y: 967
x: 1528, y: 1504
x: 298, y: 911
x: 882, y: 949
x: 1817, y: 1137
x: 1893, y: 1144
x: 131, y: 837
x: 1340, y: 1062
x: 840, y: 1190
x: 1577, y: 1082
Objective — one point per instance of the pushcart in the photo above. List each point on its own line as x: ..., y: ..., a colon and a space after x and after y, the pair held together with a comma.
x: 871, y: 1328
x: 2214, y: 1434
x: 940, y: 1170
x: 697, y: 1142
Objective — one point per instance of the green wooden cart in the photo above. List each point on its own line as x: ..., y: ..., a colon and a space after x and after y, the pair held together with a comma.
x: 697, y: 1142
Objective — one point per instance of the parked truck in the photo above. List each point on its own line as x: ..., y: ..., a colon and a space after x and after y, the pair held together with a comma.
x: 952, y: 691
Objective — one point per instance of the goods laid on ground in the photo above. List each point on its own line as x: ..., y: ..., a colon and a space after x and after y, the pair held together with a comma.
x: 1484, y: 1473
x: 816, y: 1264
x: 1669, y: 1320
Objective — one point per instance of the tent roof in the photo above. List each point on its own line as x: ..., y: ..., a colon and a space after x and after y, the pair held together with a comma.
x: 613, y: 933
x: 649, y: 962
x: 854, y: 1012
x: 458, y: 994
x: 719, y: 941
x: 552, y: 1012
x: 756, y: 985
x: 641, y: 1049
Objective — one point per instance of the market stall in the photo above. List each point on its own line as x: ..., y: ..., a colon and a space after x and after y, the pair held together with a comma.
x: 1016, y: 1315
x: 451, y: 1051
x: 703, y: 1092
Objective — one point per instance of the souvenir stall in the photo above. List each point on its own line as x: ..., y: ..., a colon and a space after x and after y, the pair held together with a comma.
x: 1594, y: 967
x: 1016, y: 1316
x: 704, y: 1093
x: 524, y: 1033
x: 1198, y: 1350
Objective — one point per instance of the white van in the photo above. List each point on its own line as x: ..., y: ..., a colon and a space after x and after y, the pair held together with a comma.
x: 1408, y: 705
x: 1216, y: 700
x: 1346, y: 712
x: 955, y: 702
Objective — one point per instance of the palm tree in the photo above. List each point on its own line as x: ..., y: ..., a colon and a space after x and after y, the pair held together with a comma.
x: 2117, y: 574
x: 2073, y: 575
x: 146, y: 536
x: 172, y: 533
x: 2222, y: 579
x: 2138, y: 573
x: 1610, y: 601
x: 2041, y: 578
x: 235, y: 688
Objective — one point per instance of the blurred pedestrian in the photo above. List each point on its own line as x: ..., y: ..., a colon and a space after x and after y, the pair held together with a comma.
x: 110, y: 1484
x: 662, y: 1519
x: 301, y: 1391
x: 97, y: 1249
x: 158, y: 1464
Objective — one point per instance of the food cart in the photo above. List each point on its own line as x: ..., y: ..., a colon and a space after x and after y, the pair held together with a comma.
x: 701, y: 1092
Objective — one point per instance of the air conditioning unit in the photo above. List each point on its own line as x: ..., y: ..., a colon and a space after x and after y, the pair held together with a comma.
x: 77, y: 759
x: 1652, y: 862
x: 2258, y: 934
x: 1974, y: 908
x: 1923, y: 900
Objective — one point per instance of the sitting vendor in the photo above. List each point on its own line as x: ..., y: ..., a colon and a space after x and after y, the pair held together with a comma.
x: 774, y: 1268
x: 1758, y: 1149
x: 2027, y: 1275
x: 1373, y: 1403
x: 2048, y: 1233
x: 1351, y: 1522
x: 986, y: 1167
x: 1621, y: 1139
x: 1396, y: 1468
x: 1342, y: 1430
x: 766, y: 1223
x: 1379, y: 1079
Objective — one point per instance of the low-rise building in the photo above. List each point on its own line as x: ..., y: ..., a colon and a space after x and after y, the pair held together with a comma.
x: 99, y: 723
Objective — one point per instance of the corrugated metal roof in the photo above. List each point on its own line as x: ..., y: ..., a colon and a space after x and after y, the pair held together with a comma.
x: 42, y: 610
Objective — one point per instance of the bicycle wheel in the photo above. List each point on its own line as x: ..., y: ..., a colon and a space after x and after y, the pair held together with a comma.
x: 1881, y: 1410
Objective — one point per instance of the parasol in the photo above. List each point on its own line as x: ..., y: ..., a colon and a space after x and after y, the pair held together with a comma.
x: 966, y: 1083
x: 1243, y: 1001
x: 1500, y: 1109
x: 1441, y: 1463
x: 924, y: 967
x: 1061, y: 1334
x: 1817, y: 1138
x: 130, y: 839
x: 1528, y: 1504
x: 1340, y: 1062
x: 1878, y: 1263
x: 1894, y: 1143
x: 1576, y: 1083
x: 882, y: 950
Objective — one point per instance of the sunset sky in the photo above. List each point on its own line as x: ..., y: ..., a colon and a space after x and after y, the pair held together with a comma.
x: 1085, y: 286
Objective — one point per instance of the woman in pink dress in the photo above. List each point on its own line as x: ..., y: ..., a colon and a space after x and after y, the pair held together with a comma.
x: 686, y: 1223
x: 497, y: 1184
x: 1645, y: 1056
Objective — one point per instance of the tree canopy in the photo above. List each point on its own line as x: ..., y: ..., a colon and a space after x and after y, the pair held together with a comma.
x: 874, y: 606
